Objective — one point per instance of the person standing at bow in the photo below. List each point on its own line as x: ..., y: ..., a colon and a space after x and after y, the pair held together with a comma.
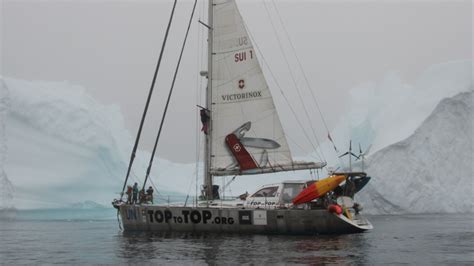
x: 129, y: 194
x: 135, y: 193
x: 149, y: 194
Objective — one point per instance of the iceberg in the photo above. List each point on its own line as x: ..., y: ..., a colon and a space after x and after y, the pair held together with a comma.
x: 6, y: 187
x: 431, y: 171
x: 65, y: 147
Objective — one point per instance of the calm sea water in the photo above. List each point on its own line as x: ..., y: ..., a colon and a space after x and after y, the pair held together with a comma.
x: 93, y: 237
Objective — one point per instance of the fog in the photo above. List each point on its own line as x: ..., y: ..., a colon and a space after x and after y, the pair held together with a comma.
x: 111, y: 48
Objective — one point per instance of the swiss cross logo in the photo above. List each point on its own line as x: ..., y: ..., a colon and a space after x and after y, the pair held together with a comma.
x: 241, y: 84
x: 236, y: 147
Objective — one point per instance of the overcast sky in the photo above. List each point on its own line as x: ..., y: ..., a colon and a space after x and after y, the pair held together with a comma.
x: 111, y: 48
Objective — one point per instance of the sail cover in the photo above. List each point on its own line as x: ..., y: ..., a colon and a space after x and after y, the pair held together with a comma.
x: 241, y: 101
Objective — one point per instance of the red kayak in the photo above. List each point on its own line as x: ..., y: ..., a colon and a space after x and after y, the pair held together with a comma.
x: 319, y: 188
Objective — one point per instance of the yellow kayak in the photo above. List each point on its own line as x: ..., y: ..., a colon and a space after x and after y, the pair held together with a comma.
x: 318, y: 189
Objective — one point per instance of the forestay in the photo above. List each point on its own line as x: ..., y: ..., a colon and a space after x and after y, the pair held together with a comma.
x: 242, y: 104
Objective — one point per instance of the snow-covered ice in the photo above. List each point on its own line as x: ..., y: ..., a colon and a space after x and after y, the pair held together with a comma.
x: 65, y: 147
x: 430, y: 171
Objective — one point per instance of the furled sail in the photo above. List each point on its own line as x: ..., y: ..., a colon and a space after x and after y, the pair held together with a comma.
x: 247, y: 136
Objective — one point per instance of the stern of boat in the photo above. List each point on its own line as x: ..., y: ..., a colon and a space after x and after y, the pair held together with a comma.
x: 358, y: 222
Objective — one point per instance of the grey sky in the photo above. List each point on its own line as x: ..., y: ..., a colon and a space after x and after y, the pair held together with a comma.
x: 111, y: 47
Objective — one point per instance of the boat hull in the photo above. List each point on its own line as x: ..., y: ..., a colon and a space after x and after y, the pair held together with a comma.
x: 234, y: 220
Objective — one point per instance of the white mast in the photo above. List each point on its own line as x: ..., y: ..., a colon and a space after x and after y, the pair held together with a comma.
x: 207, y: 149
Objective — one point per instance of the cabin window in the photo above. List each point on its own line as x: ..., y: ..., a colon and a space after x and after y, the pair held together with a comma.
x: 266, y: 192
x: 290, y: 191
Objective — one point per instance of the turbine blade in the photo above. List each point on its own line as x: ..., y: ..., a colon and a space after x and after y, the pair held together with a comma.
x: 354, y: 155
x: 344, y: 154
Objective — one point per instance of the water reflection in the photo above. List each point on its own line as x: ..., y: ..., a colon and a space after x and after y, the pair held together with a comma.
x: 332, y: 249
x: 213, y: 248
x: 169, y: 246
x: 422, y: 239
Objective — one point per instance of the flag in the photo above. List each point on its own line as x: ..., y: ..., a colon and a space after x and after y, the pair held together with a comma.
x: 333, y: 145
x: 205, y: 120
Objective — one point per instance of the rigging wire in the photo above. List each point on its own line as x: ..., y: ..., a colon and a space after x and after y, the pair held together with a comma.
x: 226, y: 184
x: 300, y: 66
x: 169, y: 97
x: 303, y: 72
x: 281, y: 90
x: 293, y: 78
x: 137, y: 139
x: 301, y: 148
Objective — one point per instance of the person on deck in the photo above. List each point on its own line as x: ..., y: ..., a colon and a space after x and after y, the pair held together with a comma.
x: 129, y: 194
x: 149, y: 193
x: 141, y: 196
x: 135, y: 193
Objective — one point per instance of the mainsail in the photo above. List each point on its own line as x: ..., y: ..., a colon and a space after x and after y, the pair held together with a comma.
x: 246, y: 136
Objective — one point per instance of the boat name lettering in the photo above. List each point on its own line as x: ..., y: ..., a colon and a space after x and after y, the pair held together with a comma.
x: 262, y: 203
x: 187, y: 216
x: 242, y: 96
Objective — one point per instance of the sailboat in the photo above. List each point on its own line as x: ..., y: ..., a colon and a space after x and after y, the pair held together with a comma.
x: 244, y: 136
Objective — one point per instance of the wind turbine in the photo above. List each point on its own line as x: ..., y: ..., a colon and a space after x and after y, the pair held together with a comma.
x: 362, y: 155
x: 350, y: 153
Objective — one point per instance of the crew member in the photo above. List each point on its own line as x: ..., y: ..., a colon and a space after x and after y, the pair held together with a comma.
x: 149, y: 193
x: 129, y: 194
x: 135, y: 193
x: 141, y: 196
